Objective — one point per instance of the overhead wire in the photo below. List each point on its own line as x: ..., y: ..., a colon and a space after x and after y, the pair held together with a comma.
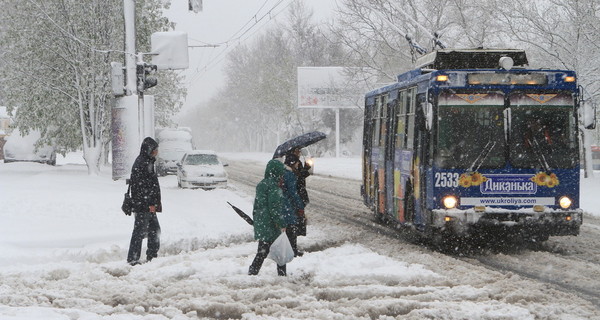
x: 217, y: 59
x: 229, y: 44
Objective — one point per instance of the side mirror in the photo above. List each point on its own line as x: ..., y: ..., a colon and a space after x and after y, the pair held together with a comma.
x: 588, y: 113
x: 428, y: 113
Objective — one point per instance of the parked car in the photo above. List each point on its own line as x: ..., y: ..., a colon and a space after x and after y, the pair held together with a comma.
x: 173, y: 143
x: 22, y: 148
x: 201, y: 169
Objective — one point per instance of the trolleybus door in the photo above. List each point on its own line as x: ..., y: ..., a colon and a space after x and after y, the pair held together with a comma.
x: 390, y: 208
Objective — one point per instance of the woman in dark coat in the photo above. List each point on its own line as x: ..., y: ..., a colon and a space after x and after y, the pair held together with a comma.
x: 145, y: 193
x: 303, y: 171
x: 268, y: 220
x: 293, y: 208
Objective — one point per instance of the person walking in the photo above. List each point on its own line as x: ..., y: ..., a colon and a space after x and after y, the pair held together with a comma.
x: 293, y: 206
x: 145, y: 193
x: 267, y: 214
x: 304, y: 170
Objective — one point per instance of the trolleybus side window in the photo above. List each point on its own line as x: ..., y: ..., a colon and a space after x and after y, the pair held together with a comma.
x: 400, y: 115
x: 383, y: 124
x: 410, y: 118
x: 377, y: 121
x: 470, y: 130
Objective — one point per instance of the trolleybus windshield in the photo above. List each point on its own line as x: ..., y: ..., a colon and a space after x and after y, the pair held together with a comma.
x: 470, y: 130
x: 543, y: 131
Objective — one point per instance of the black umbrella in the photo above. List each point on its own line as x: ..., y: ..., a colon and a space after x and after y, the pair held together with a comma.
x: 298, y: 142
x: 242, y: 214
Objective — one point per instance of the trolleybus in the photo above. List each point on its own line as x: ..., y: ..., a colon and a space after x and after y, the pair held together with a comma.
x: 474, y: 142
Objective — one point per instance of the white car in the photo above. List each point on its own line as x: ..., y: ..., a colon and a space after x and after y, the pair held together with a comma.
x: 201, y: 169
x: 22, y: 148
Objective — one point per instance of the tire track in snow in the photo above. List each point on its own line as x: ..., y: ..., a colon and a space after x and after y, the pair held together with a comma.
x: 565, y: 253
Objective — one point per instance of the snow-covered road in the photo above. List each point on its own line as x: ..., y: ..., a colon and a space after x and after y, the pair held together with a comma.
x: 63, y: 243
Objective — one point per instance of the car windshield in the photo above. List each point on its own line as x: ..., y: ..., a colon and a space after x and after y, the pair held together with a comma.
x: 543, y: 134
x: 470, y: 131
x: 201, y: 159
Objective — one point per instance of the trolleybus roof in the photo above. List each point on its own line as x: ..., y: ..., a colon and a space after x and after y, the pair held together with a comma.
x: 469, y: 58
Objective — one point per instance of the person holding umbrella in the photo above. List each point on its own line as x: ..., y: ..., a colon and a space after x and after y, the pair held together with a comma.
x: 267, y: 212
x: 304, y: 170
x: 293, y: 206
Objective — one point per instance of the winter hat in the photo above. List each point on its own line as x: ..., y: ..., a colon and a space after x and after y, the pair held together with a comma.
x: 291, y: 159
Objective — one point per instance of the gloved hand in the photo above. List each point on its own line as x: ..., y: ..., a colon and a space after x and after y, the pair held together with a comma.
x: 301, y: 213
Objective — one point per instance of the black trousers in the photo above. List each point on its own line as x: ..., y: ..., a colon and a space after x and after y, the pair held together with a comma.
x: 292, y: 234
x: 261, y: 255
x: 146, y: 224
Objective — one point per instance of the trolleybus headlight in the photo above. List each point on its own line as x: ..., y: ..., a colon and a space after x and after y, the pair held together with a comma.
x: 442, y: 78
x: 450, y: 202
x: 569, y: 79
x: 564, y: 202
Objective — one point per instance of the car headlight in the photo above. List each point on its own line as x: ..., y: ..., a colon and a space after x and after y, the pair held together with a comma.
x: 565, y: 202
x: 450, y: 202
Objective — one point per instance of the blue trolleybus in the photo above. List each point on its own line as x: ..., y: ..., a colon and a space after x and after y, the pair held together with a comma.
x: 471, y: 143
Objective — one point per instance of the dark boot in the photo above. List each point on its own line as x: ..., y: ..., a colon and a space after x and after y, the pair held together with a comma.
x: 281, y: 270
x: 292, y: 233
x: 261, y: 255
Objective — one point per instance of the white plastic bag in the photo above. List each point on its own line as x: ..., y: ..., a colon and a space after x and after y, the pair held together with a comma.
x: 281, y: 250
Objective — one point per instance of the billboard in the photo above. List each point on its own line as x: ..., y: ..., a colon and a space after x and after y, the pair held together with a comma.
x: 328, y: 87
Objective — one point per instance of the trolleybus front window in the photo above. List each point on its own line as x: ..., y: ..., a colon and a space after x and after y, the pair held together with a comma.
x: 543, y: 137
x: 470, y: 131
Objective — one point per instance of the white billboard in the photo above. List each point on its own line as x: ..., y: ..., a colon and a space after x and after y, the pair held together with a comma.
x: 328, y: 87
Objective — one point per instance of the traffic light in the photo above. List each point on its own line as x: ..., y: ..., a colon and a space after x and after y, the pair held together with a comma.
x: 143, y: 81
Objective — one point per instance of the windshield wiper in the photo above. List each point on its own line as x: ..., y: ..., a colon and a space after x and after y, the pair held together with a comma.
x: 537, y: 150
x: 483, y: 155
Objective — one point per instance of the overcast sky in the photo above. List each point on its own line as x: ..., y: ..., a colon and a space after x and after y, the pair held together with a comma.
x: 226, y: 23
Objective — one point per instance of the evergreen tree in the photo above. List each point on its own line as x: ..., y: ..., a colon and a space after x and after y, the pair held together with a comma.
x: 58, y: 82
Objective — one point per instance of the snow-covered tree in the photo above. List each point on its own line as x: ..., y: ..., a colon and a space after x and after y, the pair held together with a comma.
x: 375, y: 31
x: 561, y: 34
x: 59, y: 53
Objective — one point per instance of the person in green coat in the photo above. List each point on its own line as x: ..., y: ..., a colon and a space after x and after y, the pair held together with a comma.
x: 267, y: 214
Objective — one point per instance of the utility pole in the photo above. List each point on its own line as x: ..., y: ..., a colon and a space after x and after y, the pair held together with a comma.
x: 132, y: 119
x: 130, y: 63
x: 133, y: 111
